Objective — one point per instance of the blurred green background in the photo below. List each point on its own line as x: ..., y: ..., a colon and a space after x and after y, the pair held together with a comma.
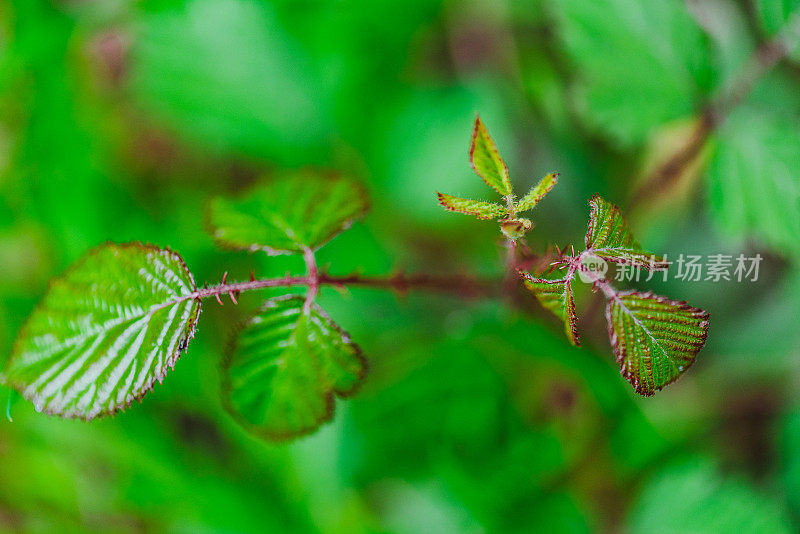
x: 120, y: 118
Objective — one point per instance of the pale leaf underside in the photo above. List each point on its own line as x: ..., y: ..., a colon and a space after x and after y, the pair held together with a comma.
x: 538, y: 192
x: 287, y: 214
x: 486, y: 160
x: 105, y: 332
x: 286, y: 365
x: 478, y: 208
x: 610, y: 238
x: 556, y: 295
x: 654, y: 338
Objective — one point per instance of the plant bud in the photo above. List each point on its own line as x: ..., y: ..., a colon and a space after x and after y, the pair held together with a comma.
x: 515, y: 228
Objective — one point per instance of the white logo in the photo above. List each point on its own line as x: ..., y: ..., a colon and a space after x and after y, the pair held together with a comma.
x: 596, y: 266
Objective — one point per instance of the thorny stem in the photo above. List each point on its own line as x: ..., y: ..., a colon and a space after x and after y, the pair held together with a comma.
x: 462, y: 285
x: 575, y: 263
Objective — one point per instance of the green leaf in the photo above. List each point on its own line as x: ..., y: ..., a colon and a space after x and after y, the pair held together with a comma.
x: 775, y: 15
x: 789, y: 443
x: 242, y: 85
x: 285, y: 366
x: 610, y: 238
x: 538, y: 192
x: 289, y: 214
x: 105, y: 332
x: 556, y: 295
x: 480, y: 209
x: 693, y: 496
x: 486, y: 160
x: 753, y: 191
x: 639, y: 64
x: 655, y: 339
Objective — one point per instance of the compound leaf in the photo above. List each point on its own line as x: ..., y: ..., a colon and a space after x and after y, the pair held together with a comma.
x: 289, y: 214
x: 654, y: 338
x: 105, y: 332
x: 538, y: 192
x: 478, y: 208
x: 285, y: 366
x: 556, y: 295
x: 610, y: 238
x: 486, y: 160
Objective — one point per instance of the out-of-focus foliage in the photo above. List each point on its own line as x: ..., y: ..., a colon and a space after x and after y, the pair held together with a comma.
x: 718, y: 504
x: 287, y: 215
x: 120, y: 119
x: 769, y: 207
x: 639, y: 65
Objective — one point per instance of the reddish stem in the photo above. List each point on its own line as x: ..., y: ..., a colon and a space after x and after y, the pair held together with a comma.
x: 466, y: 286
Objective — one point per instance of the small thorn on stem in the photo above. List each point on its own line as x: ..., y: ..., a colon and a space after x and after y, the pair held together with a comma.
x: 252, y: 276
x: 224, y: 277
x: 216, y: 296
x: 233, y: 297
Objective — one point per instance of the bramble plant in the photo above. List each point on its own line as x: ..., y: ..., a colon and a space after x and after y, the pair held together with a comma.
x: 114, y: 324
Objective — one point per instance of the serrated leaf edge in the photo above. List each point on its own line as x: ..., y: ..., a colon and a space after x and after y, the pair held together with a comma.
x: 329, y: 397
x: 613, y: 338
x: 658, y: 263
x: 169, y: 363
x: 505, y: 175
x: 570, y: 316
x: 540, y: 195
x: 208, y: 225
x: 443, y: 204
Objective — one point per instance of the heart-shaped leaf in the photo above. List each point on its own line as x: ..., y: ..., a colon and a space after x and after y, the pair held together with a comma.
x: 105, y: 332
x: 610, y: 238
x: 285, y: 366
x: 655, y: 339
x: 288, y: 214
